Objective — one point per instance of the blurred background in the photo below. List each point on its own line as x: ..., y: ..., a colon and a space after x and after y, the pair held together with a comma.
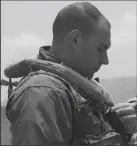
x: 27, y: 25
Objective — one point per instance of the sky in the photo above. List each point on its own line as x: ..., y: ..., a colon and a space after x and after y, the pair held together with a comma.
x: 27, y: 25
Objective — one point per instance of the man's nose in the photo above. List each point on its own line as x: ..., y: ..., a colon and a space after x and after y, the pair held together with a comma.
x: 104, y: 59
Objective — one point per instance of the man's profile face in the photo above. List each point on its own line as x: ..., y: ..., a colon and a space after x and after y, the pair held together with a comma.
x: 93, y: 51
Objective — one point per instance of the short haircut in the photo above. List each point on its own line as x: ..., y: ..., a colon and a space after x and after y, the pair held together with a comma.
x: 80, y: 15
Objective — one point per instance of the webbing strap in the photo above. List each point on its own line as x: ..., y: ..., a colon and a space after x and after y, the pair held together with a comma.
x: 10, y: 88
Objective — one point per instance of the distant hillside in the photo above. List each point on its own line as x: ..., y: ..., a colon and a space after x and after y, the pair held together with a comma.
x: 121, y: 89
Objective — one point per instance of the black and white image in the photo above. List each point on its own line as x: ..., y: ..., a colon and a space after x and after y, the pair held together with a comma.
x: 68, y: 73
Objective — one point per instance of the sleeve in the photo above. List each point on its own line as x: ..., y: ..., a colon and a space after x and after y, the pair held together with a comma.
x: 45, y: 118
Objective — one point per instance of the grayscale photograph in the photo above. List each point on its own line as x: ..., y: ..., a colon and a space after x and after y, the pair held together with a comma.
x: 68, y: 73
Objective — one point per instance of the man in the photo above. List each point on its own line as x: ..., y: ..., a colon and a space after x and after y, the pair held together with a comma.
x: 46, y: 109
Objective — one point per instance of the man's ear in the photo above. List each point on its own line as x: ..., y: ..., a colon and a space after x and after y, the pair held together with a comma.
x: 74, y: 37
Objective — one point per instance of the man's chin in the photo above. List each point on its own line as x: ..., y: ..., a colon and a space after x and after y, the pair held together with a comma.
x: 90, y: 76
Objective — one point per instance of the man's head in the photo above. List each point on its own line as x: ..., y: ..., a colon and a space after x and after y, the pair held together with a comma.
x: 81, y: 37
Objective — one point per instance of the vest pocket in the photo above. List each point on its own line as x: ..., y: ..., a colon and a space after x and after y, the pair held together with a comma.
x: 86, y: 123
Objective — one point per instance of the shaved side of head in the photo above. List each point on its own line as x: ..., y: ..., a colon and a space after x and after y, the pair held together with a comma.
x: 82, y: 16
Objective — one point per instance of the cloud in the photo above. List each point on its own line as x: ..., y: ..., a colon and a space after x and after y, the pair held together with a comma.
x: 20, y: 47
x: 23, y: 40
x: 124, y: 30
x: 16, y: 48
x: 129, y: 18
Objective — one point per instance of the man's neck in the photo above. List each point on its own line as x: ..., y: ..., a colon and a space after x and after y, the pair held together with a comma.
x: 55, y: 49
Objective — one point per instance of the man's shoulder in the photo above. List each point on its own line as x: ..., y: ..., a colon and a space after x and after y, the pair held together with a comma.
x: 37, y: 90
x: 40, y: 79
